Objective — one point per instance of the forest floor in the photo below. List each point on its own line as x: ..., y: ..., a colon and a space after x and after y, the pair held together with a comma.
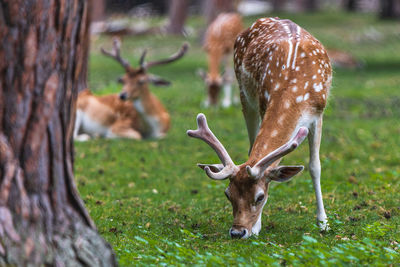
x: 151, y: 202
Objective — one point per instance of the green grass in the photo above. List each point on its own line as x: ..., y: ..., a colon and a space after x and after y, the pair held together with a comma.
x: 151, y: 202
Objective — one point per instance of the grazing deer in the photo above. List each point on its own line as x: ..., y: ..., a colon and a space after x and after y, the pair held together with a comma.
x: 219, y: 40
x: 134, y: 113
x: 284, y: 76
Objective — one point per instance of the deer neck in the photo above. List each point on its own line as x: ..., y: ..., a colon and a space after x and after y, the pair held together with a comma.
x: 214, y: 59
x: 152, y: 113
x: 278, y: 126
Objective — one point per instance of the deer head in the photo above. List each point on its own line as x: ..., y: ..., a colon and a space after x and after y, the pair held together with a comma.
x: 136, y: 80
x: 248, y: 185
x: 213, y: 85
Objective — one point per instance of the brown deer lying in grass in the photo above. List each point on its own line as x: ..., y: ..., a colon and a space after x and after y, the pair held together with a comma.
x: 219, y: 40
x: 284, y: 76
x: 134, y: 113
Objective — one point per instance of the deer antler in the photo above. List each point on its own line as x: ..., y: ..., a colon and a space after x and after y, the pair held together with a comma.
x: 257, y: 170
x: 204, y: 133
x: 172, y: 58
x: 115, y: 53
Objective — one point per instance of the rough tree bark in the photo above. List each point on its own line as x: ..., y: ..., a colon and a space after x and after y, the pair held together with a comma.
x: 177, y: 16
x: 43, y: 61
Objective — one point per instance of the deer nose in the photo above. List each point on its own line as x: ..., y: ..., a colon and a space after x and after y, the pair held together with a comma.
x: 238, y: 233
x: 123, y: 96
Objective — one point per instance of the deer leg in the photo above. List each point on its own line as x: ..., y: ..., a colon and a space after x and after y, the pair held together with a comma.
x: 252, y: 119
x: 78, y: 122
x: 314, y: 140
x: 119, y: 130
x: 228, y: 78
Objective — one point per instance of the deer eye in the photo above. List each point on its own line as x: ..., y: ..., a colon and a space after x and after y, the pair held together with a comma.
x: 259, y: 199
x: 120, y: 80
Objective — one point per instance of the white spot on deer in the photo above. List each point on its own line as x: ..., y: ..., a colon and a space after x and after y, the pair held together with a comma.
x: 274, y: 133
x: 323, y: 96
x: 287, y: 104
x: 317, y: 87
x: 319, y: 71
x: 299, y: 99
x: 302, y: 55
x: 306, y: 85
x: 294, y: 81
x: 314, y: 77
x: 280, y: 120
x: 306, y: 96
x: 294, y: 88
x: 313, y: 62
x: 276, y: 87
x: 297, y: 68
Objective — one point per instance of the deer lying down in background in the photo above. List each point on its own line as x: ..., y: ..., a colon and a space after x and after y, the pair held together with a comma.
x: 219, y: 40
x: 284, y: 76
x: 134, y: 113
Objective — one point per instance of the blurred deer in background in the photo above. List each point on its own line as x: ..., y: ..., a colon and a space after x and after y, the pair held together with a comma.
x: 284, y: 76
x: 219, y: 40
x: 135, y: 112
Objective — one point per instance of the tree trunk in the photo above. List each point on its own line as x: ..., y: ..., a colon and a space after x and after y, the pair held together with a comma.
x: 309, y: 5
x: 43, y: 62
x: 177, y: 16
x: 278, y: 5
x: 212, y: 8
x: 98, y: 10
x: 390, y: 9
x: 350, y: 5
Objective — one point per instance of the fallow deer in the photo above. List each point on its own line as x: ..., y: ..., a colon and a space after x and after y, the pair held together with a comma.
x: 134, y: 113
x: 284, y: 76
x: 219, y: 40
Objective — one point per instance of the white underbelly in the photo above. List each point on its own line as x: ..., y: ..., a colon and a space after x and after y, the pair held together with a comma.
x: 92, y: 127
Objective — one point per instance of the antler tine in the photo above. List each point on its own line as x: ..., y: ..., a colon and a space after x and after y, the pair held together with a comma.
x: 204, y: 133
x: 142, y: 57
x: 182, y: 51
x: 257, y: 170
x: 115, y: 53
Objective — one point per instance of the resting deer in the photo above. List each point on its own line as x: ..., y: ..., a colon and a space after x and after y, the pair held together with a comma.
x: 219, y: 40
x: 284, y: 76
x: 134, y: 113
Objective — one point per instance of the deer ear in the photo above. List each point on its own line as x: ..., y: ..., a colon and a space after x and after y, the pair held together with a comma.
x: 284, y: 173
x: 158, y: 81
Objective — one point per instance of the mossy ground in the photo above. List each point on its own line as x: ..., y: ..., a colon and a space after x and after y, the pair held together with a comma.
x: 151, y: 202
